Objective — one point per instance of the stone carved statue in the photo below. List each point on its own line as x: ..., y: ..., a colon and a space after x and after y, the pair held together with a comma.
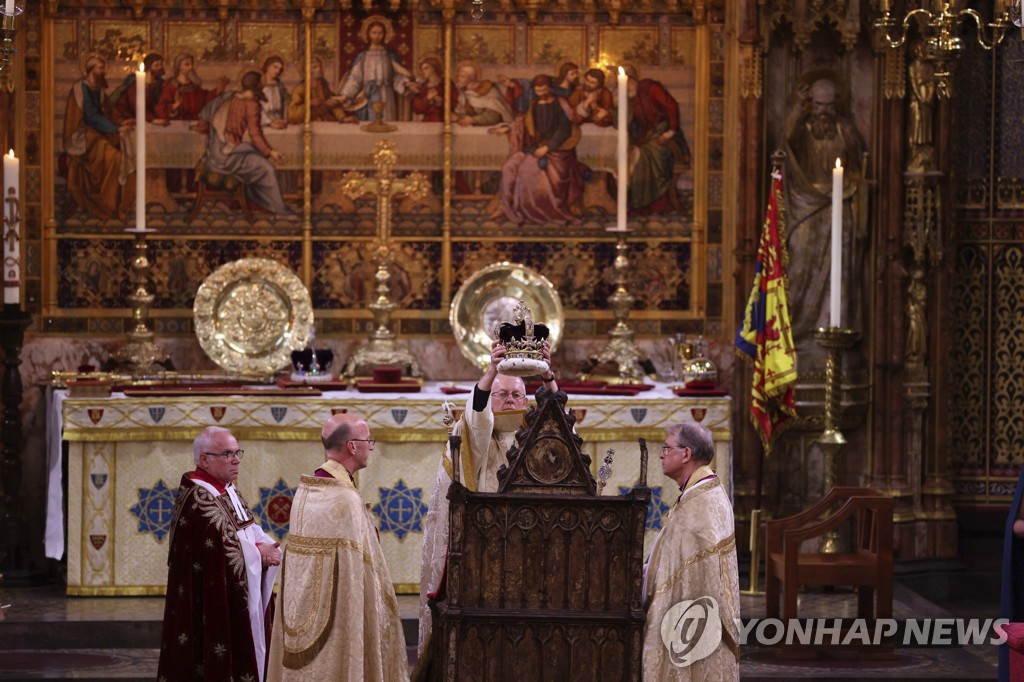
x: 818, y: 131
x: 916, y: 345
x: 921, y: 74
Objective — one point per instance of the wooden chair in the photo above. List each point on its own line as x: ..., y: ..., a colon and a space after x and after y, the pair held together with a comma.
x: 868, y: 567
x: 213, y: 186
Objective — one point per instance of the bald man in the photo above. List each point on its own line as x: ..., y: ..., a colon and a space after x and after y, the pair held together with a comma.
x: 338, y: 617
x: 488, y: 427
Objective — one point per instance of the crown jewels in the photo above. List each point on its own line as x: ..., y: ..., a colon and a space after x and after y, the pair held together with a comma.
x: 523, y: 341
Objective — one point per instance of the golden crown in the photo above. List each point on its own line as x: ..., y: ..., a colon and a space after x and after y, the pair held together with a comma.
x: 522, y: 337
x: 523, y: 341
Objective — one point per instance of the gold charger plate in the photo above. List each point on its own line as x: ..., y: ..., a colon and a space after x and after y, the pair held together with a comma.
x: 489, y: 296
x: 250, y: 315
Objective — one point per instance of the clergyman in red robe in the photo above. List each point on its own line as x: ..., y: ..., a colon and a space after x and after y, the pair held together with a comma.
x: 221, y: 573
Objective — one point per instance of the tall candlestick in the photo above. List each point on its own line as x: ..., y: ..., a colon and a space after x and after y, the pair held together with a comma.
x: 623, y: 150
x: 140, y: 148
x: 837, y: 246
x: 11, y: 231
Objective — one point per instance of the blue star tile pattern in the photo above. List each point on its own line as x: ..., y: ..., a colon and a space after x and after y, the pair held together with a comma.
x: 400, y: 509
x: 274, y: 509
x: 155, y: 509
x: 657, y: 509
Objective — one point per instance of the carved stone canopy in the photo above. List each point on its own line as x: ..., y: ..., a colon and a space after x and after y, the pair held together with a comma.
x: 546, y: 457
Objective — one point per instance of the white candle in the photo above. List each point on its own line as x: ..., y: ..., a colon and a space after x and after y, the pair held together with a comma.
x: 140, y: 148
x: 835, y: 318
x: 12, y: 231
x: 623, y: 150
x: 9, y: 8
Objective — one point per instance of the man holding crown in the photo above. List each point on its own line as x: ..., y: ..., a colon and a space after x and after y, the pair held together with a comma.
x: 488, y: 425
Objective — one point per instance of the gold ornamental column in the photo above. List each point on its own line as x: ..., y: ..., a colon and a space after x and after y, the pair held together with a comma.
x: 308, y: 9
x: 447, y: 140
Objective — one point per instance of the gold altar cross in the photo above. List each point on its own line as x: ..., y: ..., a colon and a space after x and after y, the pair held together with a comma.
x: 382, y: 350
x: 385, y: 186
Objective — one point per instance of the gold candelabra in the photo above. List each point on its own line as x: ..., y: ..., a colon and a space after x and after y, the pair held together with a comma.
x: 942, y: 33
x: 140, y: 351
x: 621, y: 350
x: 834, y: 340
x: 382, y: 349
x: 7, y: 49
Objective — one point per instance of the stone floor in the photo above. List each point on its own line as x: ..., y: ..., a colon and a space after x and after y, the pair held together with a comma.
x: 46, y: 635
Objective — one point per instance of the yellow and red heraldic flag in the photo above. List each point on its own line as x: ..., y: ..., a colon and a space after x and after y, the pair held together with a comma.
x: 766, y: 335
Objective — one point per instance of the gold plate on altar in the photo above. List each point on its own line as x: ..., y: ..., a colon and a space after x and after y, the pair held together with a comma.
x: 250, y: 315
x: 489, y: 297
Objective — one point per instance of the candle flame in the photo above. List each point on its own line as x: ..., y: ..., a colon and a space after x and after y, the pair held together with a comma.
x: 10, y: 153
x: 622, y: 72
x: 142, y: 67
x: 838, y: 164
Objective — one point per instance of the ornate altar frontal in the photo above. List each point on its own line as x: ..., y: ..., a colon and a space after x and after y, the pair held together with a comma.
x: 545, y: 574
x: 126, y: 456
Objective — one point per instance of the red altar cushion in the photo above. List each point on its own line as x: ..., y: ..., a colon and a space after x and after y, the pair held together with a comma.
x: 387, y: 375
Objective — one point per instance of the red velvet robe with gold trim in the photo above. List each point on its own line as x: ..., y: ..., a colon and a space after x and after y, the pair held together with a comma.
x: 207, y: 633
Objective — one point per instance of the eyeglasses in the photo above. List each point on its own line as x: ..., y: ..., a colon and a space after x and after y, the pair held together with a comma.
x: 666, y: 448
x: 371, y: 441
x: 515, y: 395
x: 227, y: 455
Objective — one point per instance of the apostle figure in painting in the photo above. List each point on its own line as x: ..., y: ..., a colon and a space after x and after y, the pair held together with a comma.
x: 276, y: 94
x: 593, y: 102
x: 817, y: 134
x: 428, y: 102
x: 324, y: 105
x: 542, y: 180
x: 97, y: 170
x: 568, y: 80
x: 692, y: 559
x: 338, y: 617
x: 488, y: 425
x: 659, y: 144
x: 236, y: 145
x: 376, y: 74
x: 221, y: 575
x: 182, y: 96
x: 124, y: 96
x: 479, y: 102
